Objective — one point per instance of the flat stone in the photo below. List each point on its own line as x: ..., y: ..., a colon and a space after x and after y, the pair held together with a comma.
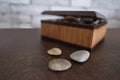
x: 54, y: 51
x: 80, y: 56
x: 59, y: 64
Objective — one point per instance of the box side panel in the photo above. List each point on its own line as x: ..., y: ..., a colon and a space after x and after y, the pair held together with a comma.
x: 51, y: 31
x: 98, y: 35
x: 77, y: 36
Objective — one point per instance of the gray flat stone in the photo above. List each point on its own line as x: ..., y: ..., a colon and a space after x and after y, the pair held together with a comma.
x: 59, y: 64
x: 80, y: 56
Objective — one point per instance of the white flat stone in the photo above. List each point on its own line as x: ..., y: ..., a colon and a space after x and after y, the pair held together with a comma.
x: 54, y: 51
x: 59, y: 64
x: 80, y: 56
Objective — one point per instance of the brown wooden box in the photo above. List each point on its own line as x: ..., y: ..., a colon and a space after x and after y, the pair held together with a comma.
x: 82, y: 28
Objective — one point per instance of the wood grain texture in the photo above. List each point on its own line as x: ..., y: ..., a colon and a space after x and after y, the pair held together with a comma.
x: 23, y: 57
x: 74, y: 35
x: 98, y: 34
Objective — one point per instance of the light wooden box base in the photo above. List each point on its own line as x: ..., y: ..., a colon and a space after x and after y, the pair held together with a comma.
x: 74, y: 35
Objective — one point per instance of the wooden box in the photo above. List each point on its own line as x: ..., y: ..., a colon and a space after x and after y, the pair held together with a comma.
x: 82, y: 28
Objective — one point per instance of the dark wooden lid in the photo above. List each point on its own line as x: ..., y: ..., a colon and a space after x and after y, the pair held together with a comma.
x: 88, y: 14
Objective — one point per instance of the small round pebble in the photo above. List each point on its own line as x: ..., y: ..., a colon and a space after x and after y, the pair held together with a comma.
x: 59, y: 64
x: 54, y: 51
x: 80, y: 56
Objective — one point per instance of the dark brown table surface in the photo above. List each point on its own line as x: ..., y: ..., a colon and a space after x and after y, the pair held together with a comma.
x: 23, y: 57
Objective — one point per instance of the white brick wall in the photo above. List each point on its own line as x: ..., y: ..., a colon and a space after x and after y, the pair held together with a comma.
x: 66, y: 8
x: 27, y: 13
x: 5, y: 25
x: 109, y: 4
x: 51, y: 2
x: 4, y: 18
x: 4, y: 8
x: 81, y: 3
x: 28, y: 9
x: 113, y: 23
x: 16, y: 1
x: 21, y: 25
x: 20, y: 18
x: 36, y: 19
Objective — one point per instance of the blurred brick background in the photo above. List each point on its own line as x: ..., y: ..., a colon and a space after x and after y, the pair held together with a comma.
x: 26, y: 13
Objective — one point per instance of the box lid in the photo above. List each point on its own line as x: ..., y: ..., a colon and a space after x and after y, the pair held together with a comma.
x: 87, y: 14
x: 85, y: 19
